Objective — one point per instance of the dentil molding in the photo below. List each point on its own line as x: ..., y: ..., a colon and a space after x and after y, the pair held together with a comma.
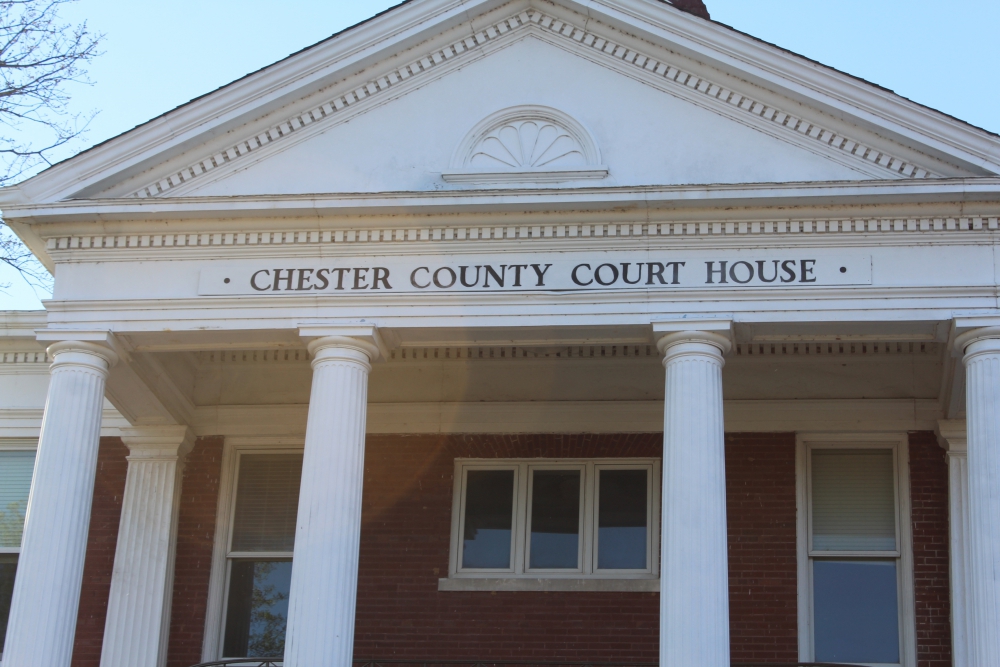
x: 817, y: 228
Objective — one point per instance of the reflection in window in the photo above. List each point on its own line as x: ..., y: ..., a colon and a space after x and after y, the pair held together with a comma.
x: 258, y: 609
x: 856, y: 611
x: 8, y: 568
x: 621, y: 520
x: 489, y: 508
x: 559, y: 519
x: 555, y: 519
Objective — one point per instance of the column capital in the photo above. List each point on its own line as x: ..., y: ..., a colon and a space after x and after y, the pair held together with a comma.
x: 95, y: 342
x: 965, y: 340
x: 361, y: 337
x: 158, y: 442
x: 715, y: 332
x: 952, y: 436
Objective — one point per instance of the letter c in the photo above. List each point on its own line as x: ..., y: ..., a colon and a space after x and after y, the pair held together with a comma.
x: 253, y: 280
x: 413, y: 277
x: 577, y: 280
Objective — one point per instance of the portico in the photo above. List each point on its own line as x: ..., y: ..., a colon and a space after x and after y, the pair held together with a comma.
x: 516, y: 379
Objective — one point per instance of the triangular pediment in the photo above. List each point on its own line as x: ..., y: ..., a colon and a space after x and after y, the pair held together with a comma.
x: 431, y: 97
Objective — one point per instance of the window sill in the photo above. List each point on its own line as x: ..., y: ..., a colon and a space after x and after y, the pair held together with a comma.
x: 588, y: 585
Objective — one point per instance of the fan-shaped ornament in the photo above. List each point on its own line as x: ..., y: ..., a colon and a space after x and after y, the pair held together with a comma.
x: 526, y: 144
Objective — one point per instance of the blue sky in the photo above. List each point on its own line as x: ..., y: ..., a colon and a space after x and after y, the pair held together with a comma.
x: 157, y: 55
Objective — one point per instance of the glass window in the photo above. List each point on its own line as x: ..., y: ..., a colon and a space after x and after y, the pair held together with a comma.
x: 854, y: 555
x: 258, y: 608
x: 260, y: 555
x: 854, y: 500
x: 16, y: 468
x: 857, y: 614
x: 489, y: 519
x: 267, y: 501
x: 557, y: 518
x: 623, y: 518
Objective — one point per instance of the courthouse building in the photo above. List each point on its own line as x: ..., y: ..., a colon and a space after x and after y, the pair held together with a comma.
x: 511, y: 331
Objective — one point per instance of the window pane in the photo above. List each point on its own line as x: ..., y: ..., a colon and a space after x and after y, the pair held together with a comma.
x: 489, y: 509
x: 856, y: 611
x: 8, y: 568
x: 267, y: 502
x: 555, y: 519
x: 621, y: 520
x: 258, y: 609
x: 853, y: 500
x: 15, y: 483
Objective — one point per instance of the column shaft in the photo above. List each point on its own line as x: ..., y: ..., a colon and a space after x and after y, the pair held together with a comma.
x: 958, y: 511
x: 323, y: 591
x: 982, y: 363
x: 135, y: 632
x: 46, y: 595
x: 694, y: 587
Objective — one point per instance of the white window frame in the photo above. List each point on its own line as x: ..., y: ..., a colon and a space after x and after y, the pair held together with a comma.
x: 586, y: 576
x: 898, y: 443
x: 233, y: 449
x: 17, y: 445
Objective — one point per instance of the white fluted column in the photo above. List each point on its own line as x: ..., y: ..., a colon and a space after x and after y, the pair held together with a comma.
x: 952, y: 436
x: 138, y: 620
x: 46, y: 597
x: 694, y: 586
x: 322, y: 598
x: 981, y: 350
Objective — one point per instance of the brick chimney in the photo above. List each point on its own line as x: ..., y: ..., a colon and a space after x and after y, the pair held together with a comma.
x: 696, y: 7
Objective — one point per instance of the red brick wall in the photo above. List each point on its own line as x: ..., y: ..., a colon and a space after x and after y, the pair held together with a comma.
x: 404, y: 550
x: 405, y: 541
x: 195, y: 537
x: 102, y: 539
x: 760, y: 488
x: 929, y: 515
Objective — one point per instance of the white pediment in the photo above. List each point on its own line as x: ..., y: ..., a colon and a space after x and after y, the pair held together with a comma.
x: 648, y: 135
x: 550, y: 94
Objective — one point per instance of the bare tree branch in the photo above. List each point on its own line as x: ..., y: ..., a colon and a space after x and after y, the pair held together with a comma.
x: 39, y: 55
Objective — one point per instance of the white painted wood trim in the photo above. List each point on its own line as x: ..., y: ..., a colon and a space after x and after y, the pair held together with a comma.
x: 899, y: 442
x: 521, y: 524
x: 215, y: 609
x: 764, y: 416
x: 580, y: 584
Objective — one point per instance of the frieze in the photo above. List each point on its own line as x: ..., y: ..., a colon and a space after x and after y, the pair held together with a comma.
x: 537, y: 272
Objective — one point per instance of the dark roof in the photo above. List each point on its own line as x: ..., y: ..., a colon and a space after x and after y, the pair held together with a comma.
x: 694, y: 7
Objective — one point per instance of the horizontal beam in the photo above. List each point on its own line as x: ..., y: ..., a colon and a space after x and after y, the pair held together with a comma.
x: 580, y: 416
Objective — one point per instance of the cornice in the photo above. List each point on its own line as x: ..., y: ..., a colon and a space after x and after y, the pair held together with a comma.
x: 594, y: 42
x: 665, y: 198
x: 873, y: 231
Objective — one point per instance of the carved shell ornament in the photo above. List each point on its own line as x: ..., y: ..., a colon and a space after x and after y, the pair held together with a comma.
x: 526, y: 144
